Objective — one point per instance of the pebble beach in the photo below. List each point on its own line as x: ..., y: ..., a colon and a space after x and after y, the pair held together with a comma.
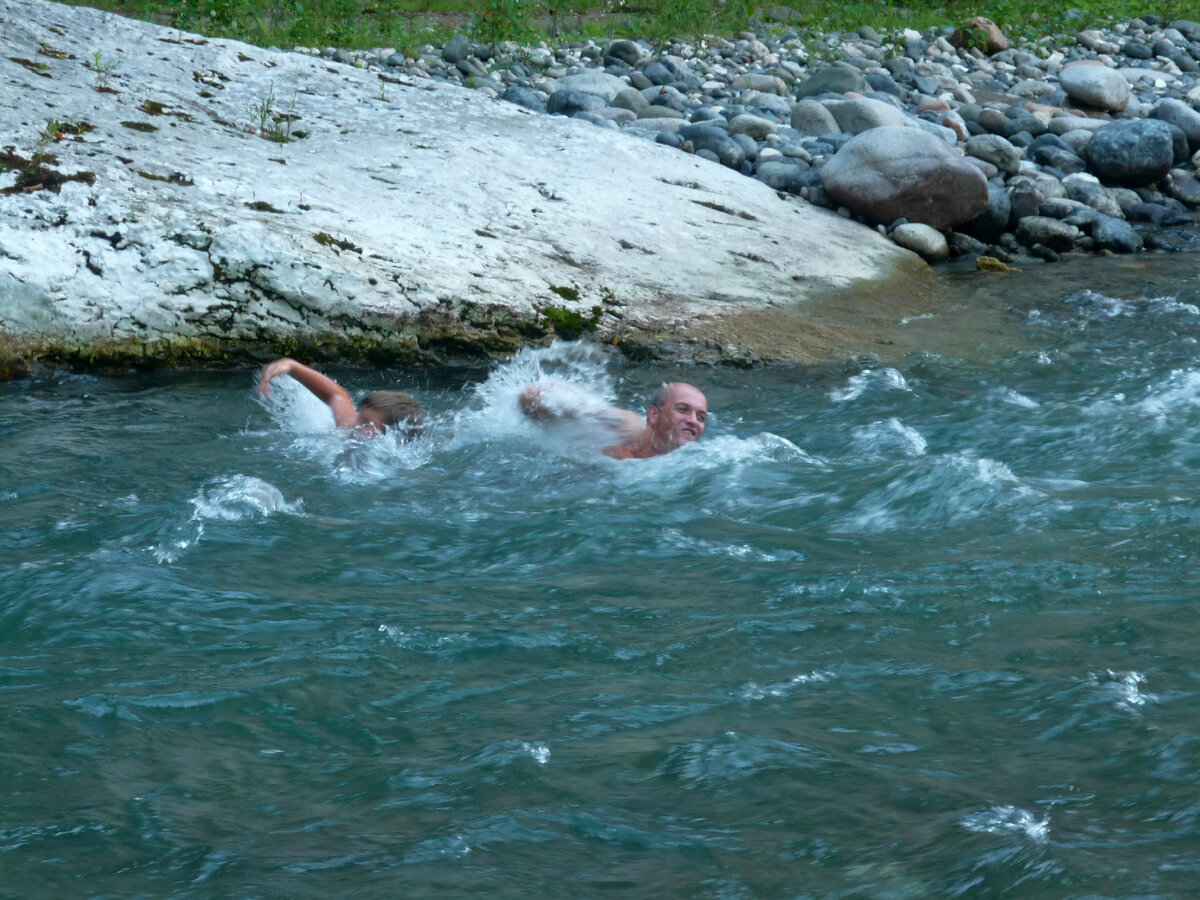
x: 954, y: 142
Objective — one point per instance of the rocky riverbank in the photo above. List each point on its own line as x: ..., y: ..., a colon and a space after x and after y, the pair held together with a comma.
x: 952, y: 142
x: 169, y: 198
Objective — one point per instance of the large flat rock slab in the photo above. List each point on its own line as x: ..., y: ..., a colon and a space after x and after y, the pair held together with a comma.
x: 170, y: 197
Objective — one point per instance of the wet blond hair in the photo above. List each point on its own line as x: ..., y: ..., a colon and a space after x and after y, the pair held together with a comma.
x: 396, y: 410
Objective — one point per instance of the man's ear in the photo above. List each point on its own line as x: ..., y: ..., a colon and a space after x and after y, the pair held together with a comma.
x: 652, y: 413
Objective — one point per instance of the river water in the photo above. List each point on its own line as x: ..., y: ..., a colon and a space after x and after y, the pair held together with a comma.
x: 906, y: 628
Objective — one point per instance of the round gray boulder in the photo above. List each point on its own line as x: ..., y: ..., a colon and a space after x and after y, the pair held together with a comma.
x: 904, y: 173
x: 923, y: 240
x: 811, y: 117
x: 1095, y: 85
x: 1133, y: 152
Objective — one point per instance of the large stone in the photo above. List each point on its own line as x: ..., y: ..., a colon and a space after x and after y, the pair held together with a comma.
x: 1052, y: 233
x: 812, y: 117
x: 904, y: 173
x: 715, y: 140
x: 1095, y: 85
x: 863, y: 114
x: 1180, y: 114
x: 567, y: 103
x: 592, y: 81
x: 1115, y: 235
x: 417, y: 223
x: 833, y: 80
x: 981, y: 33
x: 927, y: 242
x: 1131, y: 153
x: 995, y: 149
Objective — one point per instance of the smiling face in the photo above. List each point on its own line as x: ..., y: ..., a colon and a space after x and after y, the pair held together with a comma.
x: 678, y: 417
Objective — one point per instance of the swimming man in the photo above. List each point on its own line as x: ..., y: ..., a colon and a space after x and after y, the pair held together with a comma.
x: 677, y: 415
x: 375, y: 415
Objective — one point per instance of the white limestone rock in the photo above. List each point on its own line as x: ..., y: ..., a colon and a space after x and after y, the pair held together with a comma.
x: 411, y: 214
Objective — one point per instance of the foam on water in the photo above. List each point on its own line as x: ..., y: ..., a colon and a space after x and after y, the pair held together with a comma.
x: 238, y: 497
x: 945, y: 490
x: 1126, y: 687
x: 1008, y: 820
x: 585, y: 388
x: 887, y: 438
x: 231, y: 498
x: 870, y: 381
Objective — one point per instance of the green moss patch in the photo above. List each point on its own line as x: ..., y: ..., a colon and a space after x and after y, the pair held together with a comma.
x: 570, y: 324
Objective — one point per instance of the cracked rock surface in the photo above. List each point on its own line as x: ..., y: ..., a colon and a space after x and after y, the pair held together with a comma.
x: 168, y: 197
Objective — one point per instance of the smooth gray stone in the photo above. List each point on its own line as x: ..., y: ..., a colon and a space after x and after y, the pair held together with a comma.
x: 897, y: 172
x: 996, y: 150
x: 1131, y: 153
x: 1060, y: 158
x: 1180, y: 114
x: 755, y: 126
x: 1029, y: 124
x: 1058, y: 236
x: 659, y: 73
x: 459, y: 47
x: 628, y: 52
x: 659, y: 112
x: 782, y: 176
x: 835, y: 79
x: 1115, y: 235
x: 523, y: 96
x: 927, y: 242
x: 812, y: 117
x: 1024, y: 201
x: 471, y: 67
x: 1184, y: 187
x: 748, y: 144
x: 857, y: 116
x: 993, y: 120
x: 1096, y: 86
x: 1060, y: 207
x: 1085, y: 190
x: 707, y: 137
x: 965, y: 245
x: 884, y: 83
x: 631, y: 99
x: 1151, y: 213
x: 567, y: 103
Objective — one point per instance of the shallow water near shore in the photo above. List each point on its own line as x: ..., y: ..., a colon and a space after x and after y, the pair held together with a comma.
x: 918, y: 626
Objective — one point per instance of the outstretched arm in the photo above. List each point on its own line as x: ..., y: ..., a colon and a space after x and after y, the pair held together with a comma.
x: 322, y: 386
x: 556, y: 400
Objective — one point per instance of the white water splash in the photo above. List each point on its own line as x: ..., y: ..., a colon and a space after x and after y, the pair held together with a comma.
x: 1180, y: 390
x: 583, y: 387
x: 944, y: 490
x: 230, y: 499
x: 241, y: 497
x: 733, y: 551
x: 1015, y: 398
x: 1126, y: 687
x: 755, y: 691
x: 870, y: 380
x: 888, y: 437
x: 1008, y: 820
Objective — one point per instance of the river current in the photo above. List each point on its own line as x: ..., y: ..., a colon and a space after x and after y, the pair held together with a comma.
x: 906, y: 628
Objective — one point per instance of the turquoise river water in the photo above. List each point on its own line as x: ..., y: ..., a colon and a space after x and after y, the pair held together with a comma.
x: 905, y: 629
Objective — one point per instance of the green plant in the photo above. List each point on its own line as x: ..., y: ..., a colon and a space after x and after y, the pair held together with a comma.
x: 502, y: 20
x: 272, y: 125
x: 105, y: 67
